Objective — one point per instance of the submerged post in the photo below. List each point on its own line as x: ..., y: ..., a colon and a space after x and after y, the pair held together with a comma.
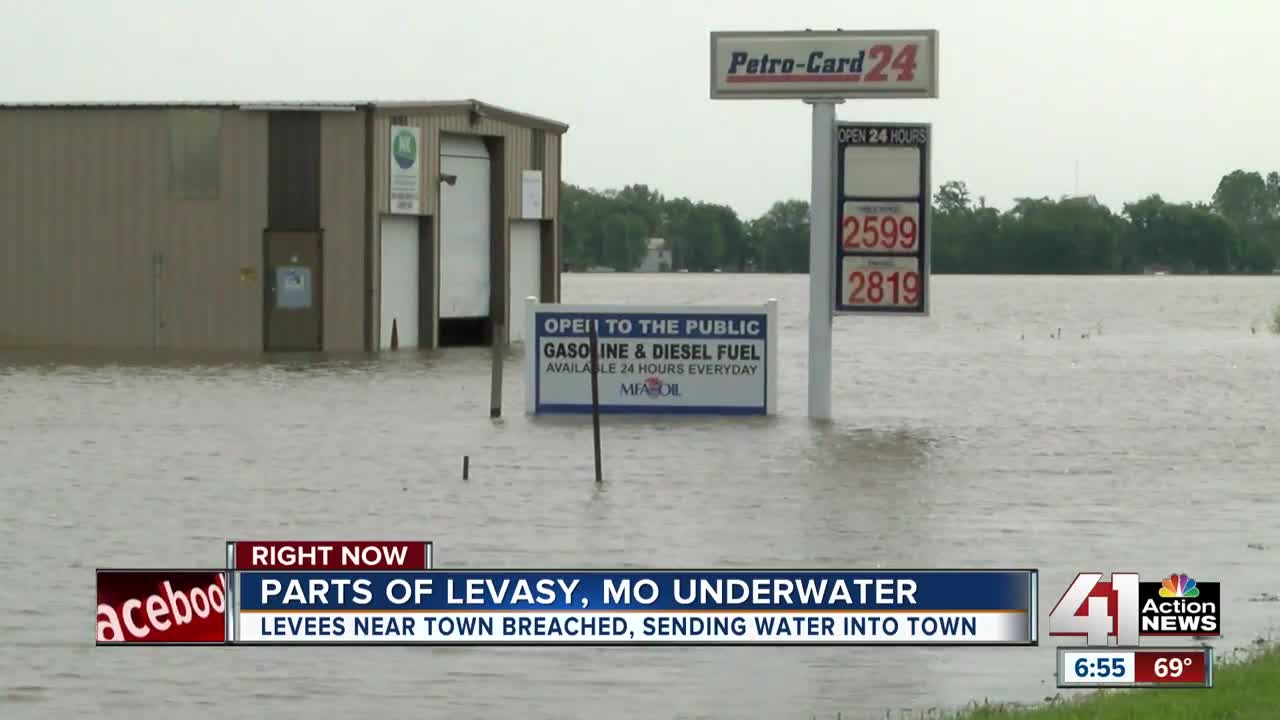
x: 595, y: 395
x: 495, y: 382
x: 821, y: 257
x: 531, y: 355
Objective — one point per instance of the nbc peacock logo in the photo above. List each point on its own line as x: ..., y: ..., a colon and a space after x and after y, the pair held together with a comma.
x: 1178, y: 605
x: 1179, y: 586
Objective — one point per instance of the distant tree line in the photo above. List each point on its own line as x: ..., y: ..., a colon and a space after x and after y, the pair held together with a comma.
x: 1237, y: 231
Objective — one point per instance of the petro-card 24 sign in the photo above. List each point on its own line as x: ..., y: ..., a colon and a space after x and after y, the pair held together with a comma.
x: 661, y: 360
x: 825, y: 64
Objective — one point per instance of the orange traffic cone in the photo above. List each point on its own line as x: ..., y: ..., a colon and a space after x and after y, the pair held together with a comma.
x: 395, y: 336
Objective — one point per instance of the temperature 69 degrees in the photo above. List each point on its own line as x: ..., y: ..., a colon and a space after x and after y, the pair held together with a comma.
x: 1135, y: 667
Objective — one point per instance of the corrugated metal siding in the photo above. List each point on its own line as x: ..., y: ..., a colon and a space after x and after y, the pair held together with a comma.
x: 381, y: 200
x: 381, y: 179
x: 85, y: 205
x: 517, y: 154
x: 342, y: 218
x: 203, y: 304
x: 551, y: 177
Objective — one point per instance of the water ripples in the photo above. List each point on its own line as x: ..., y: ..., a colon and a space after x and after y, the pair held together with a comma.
x: 967, y: 439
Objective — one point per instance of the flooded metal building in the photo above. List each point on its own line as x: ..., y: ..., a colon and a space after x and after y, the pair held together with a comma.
x: 278, y: 227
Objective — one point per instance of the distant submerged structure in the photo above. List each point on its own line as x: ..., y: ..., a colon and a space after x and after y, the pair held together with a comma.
x: 657, y: 257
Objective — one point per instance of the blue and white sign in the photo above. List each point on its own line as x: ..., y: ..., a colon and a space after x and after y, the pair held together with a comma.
x: 637, y: 607
x: 673, y: 359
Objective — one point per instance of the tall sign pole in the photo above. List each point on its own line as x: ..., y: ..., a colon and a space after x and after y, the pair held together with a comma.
x: 824, y: 68
x: 821, y: 216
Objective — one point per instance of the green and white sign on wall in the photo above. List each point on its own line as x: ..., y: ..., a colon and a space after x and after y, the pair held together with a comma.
x: 406, y: 170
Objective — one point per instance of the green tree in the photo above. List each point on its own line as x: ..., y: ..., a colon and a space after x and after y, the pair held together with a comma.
x: 1252, y: 205
x: 779, y: 239
x: 1186, y: 237
x: 1239, y: 230
x: 641, y: 201
x: 625, y: 240
x: 966, y: 238
x: 578, y: 235
x: 952, y: 197
x: 605, y: 227
x: 678, y: 229
x: 1244, y: 198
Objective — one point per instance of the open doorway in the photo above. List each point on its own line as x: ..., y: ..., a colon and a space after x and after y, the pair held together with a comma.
x: 465, y: 332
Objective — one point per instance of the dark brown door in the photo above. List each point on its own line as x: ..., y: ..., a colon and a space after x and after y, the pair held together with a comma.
x: 294, y: 286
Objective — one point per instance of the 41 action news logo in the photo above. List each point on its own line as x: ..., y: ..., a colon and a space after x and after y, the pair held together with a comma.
x: 1126, y: 609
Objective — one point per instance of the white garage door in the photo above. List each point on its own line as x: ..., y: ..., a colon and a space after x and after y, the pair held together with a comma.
x: 526, y: 271
x: 399, y: 290
x: 464, y: 228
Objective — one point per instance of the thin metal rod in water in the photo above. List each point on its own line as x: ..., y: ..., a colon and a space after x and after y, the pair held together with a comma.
x: 495, y: 384
x: 595, y: 396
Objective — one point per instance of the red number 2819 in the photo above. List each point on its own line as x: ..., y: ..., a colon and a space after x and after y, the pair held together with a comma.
x: 873, y: 287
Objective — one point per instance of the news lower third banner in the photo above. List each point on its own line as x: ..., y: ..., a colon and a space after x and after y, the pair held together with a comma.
x: 660, y: 607
x: 386, y: 593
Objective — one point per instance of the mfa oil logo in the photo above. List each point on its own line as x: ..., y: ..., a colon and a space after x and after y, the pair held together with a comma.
x: 1126, y: 609
x: 405, y: 149
x: 653, y: 388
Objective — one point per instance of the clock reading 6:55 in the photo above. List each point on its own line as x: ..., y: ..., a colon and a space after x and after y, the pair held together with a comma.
x: 1101, y: 667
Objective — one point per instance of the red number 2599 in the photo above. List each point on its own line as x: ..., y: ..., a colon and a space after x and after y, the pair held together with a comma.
x: 879, y: 232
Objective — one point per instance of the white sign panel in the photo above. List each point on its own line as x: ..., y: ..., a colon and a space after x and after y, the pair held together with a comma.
x: 886, y: 171
x: 406, y: 169
x: 687, y: 360
x: 826, y: 64
x: 882, y: 219
x: 531, y: 194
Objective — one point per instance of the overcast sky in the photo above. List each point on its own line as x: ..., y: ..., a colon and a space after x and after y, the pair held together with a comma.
x: 1146, y: 97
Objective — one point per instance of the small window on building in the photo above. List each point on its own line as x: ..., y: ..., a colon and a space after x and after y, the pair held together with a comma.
x: 194, y: 146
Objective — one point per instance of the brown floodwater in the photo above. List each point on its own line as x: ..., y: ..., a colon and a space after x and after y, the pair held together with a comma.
x: 968, y: 439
